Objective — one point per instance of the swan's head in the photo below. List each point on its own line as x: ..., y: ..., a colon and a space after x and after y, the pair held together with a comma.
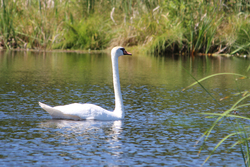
x: 119, y: 51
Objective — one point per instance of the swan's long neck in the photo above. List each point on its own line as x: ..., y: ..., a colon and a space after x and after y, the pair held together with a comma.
x: 119, y: 109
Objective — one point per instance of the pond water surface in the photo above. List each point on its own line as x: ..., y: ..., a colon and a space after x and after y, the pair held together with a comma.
x: 161, y: 125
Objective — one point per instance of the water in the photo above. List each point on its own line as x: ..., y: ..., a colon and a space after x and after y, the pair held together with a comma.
x: 161, y: 124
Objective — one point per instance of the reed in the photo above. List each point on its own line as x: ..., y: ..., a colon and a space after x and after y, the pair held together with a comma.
x: 85, y: 34
x: 160, y: 26
x: 7, y: 35
x: 240, y: 129
x: 242, y: 42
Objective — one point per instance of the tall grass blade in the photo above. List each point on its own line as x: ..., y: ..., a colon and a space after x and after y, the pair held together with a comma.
x: 240, y: 48
x: 229, y: 115
x: 220, y: 142
x: 213, y: 75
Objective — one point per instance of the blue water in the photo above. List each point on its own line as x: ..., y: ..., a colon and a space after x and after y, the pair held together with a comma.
x: 161, y: 126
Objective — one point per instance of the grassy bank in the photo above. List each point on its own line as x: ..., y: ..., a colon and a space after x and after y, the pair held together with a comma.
x: 179, y: 26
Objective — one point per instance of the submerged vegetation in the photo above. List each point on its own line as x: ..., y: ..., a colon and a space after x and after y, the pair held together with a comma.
x: 178, y: 26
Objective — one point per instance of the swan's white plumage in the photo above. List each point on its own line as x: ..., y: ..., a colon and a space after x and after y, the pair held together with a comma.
x: 77, y: 111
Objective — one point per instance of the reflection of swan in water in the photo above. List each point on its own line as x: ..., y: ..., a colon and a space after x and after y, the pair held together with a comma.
x: 91, y: 136
x: 78, y: 111
x: 113, y: 127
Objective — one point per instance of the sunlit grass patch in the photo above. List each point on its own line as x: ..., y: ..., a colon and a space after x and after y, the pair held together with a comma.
x: 174, y: 26
x: 84, y: 34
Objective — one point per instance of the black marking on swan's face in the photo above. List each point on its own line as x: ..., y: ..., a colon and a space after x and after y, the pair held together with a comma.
x: 125, y: 52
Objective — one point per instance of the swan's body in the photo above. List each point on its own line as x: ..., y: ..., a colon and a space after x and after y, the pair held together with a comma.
x: 77, y: 111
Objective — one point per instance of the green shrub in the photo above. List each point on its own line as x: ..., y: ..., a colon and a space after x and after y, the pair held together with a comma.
x: 85, y: 34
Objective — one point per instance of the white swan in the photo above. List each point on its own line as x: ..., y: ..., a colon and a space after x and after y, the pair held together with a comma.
x: 77, y: 111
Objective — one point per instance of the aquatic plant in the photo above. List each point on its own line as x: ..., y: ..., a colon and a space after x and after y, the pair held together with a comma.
x: 242, y: 42
x: 7, y: 30
x: 80, y: 35
x: 161, y: 26
x: 235, y: 115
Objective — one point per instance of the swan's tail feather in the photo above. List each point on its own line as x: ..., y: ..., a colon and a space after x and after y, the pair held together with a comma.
x: 53, y: 112
x: 57, y: 114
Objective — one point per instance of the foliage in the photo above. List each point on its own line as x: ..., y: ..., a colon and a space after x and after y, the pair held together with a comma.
x: 161, y: 26
x: 242, y: 42
x: 240, y: 130
x: 84, y: 34
x: 7, y: 31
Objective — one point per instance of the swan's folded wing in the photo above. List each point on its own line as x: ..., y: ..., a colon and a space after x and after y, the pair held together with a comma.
x: 57, y: 114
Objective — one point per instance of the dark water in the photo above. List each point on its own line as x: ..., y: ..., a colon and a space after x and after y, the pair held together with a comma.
x: 161, y: 124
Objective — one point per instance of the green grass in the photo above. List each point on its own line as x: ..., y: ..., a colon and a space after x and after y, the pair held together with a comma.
x: 240, y: 129
x: 85, y: 34
x: 7, y: 35
x: 160, y: 26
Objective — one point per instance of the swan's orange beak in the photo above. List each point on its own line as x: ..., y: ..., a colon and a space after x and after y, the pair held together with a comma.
x: 126, y: 53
